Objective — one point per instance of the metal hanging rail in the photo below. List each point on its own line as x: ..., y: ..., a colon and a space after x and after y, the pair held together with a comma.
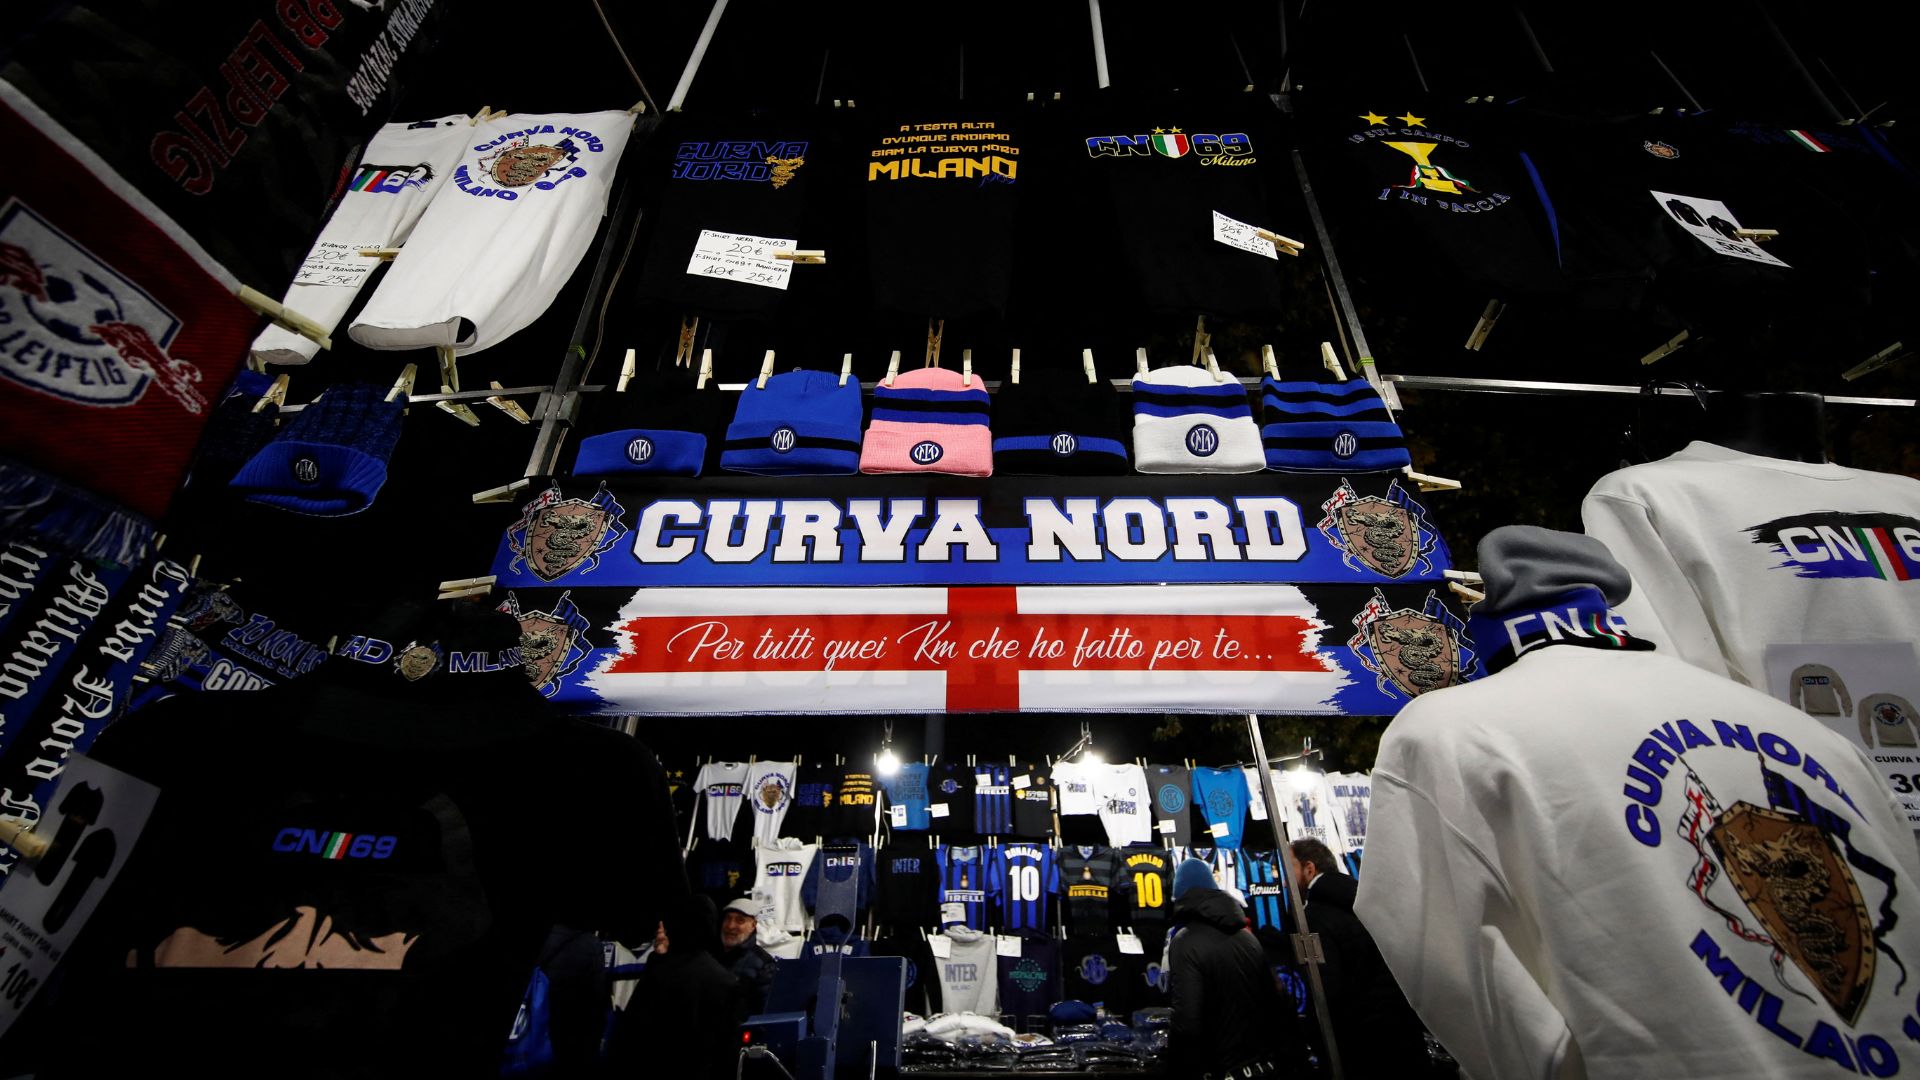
x: 1566, y: 389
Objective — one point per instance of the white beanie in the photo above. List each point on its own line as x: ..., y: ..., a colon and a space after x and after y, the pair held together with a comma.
x: 1185, y: 420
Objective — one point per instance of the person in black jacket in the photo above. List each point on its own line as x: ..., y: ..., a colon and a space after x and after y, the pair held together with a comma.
x: 1229, y: 1018
x: 1378, y: 1032
x: 684, y: 1018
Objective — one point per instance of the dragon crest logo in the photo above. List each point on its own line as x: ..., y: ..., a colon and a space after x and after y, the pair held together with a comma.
x: 556, y: 535
x: 1411, y: 652
x: 418, y: 660
x: 1386, y: 534
x: 553, y: 644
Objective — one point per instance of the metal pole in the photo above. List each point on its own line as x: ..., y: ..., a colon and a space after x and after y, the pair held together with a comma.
x: 1813, y: 85
x: 1306, y: 943
x: 1099, y: 46
x: 1533, y: 40
x: 1529, y: 386
x: 699, y: 53
x: 1363, y: 358
x: 1415, y: 57
x: 1684, y: 92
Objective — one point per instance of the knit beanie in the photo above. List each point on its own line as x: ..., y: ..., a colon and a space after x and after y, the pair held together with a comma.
x: 929, y: 421
x: 331, y: 459
x: 1056, y: 423
x: 1192, y: 874
x: 1187, y: 421
x: 1527, y: 567
x: 1316, y: 427
x: 658, y: 426
x: 803, y: 423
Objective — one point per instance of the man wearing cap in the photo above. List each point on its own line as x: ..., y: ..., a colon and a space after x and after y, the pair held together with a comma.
x: 1229, y: 1019
x: 751, y: 965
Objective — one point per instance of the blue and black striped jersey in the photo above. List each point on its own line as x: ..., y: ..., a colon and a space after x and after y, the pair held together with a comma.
x: 1261, y: 882
x: 992, y: 800
x: 969, y: 881
x: 1029, y: 878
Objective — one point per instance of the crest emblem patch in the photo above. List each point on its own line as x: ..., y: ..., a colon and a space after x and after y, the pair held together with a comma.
x: 553, y: 643
x: 1409, y: 651
x: 557, y: 535
x: 1386, y: 534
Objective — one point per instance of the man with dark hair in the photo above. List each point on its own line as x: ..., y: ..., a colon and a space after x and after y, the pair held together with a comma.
x: 1378, y: 1033
x: 1229, y: 1017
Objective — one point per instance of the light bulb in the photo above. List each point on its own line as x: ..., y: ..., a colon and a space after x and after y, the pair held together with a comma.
x: 888, y: 762
x: 1092, y: 757
x: 1300, y: 778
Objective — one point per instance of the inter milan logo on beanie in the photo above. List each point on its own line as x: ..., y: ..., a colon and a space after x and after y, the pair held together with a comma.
x: 1202, y: 440
x: 306, y: 470
x: 1345, y: 445
x: 1064, y: 444
x: 639, y: 450
x: 925, y: 453
x: 782, y: 440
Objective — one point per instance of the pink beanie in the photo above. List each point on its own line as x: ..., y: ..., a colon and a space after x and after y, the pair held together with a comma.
x: 929, y: 420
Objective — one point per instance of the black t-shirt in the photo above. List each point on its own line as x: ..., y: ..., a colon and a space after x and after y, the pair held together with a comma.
x: 941, y: 187
x: 722, y: 870
x: 909, y: 886
x: 855, y: 804
x: 1091, y: 879
x: 1094, y: 970
x: 1171, y: 791
x: 952, y: 785
x: 813, y: 789
x: 1033, y: 802
x: 1029, y: 983
x: 923, y: 978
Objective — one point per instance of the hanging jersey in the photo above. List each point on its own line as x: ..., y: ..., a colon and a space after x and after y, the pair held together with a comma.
x: 720, y: 870
x: 953, y: 791
x: 907, y: 789
x: 1088, y: 877
x: 780, y: 872
x: 812, y: 793
x: 909, y: 887
x: 1352, y: 793
x: 1094, y: 970
x: 1124, y: 809
x: 1222, y: 795
x: 769, y: 793
x: 825, y: 863
x: 992, y: 800
x: 967, y: 982
x: 1029, y: 880
x: 1256, y: 796
x: 968, y: 883
x: 1030, y: 983
x: 1307, y: 805
x: 1172, y: 809
x: 1032, y: 803
x: 1075, y: 783
x: 724, y: 783
x: 1259, y: 878
x: 855, y: 803
x: 923, y: 979
x: 1149, y: 885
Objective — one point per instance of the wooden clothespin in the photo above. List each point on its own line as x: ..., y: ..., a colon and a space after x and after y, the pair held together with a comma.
x: 18, y: 835
x: 1267, y: 362
x: 1140, y: 360
x: 1213, y: 365
x: 1201, y: 339
x: 893, y: 368
x: 383, y: 254
x: 1086, y: 365
x: 479, y: 116
x: 1431, y: 483
x: 1892, y: 354
x: 766, y: 371
x: 638, y: 108
x: 508, y: 405
x: 1484, y: 326
x: 706, y: 370
x: 846, y: 368
x: 628, y: 369
x: 276, y: 394
x: 1664, y: 350
x: 1465, y: 577
x: 466, y: 588
x: 1331, y: 361
x: 1471, y: 596
x: 966, y: 366
x: 1758, y: 236
x: 936, y: 333
x: 1282, y: 244
x: 403, y: 386
x: 284, y: 317
x: 450, y: 384
x: 802, y: 258
x: 683, y: 353
x: 1013, y: 369
x: 503, y: 493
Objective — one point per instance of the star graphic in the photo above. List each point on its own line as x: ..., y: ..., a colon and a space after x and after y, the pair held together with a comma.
x: 1176, y: 131
x: 1374, y: 119
x: 1414, y: 121
x: 1159, y: 131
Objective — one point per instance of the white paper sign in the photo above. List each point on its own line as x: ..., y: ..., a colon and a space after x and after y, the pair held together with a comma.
x: 952, y: 913
x: 1168, y: 826
x: 897, y: 816
x: 1021, y: 783
x: 95, y: 817
x: 1130, y: 945
x: 1868, y: 692
x: 1006, y: 945
x: 982, y: 779
x: 1220, y: 828
x: 1242, y: 235
x: 938, y: 809
x: 738, y: 257
x: 1712, y: 224
x: 940, y: 946
x: 333, y: 263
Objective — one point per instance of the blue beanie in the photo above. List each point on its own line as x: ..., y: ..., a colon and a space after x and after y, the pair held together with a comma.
x: 804, y: 423
x: 1329, y: 427
x: 331, y: 459
x: 1192, y: 874
x: 661, y: 425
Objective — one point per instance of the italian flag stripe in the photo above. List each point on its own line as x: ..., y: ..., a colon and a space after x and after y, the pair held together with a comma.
x: 1604, y: 631
x: 1808, y: 141
x: 338, y: 848
x: 1886, y: 554
x: 1873, y: 544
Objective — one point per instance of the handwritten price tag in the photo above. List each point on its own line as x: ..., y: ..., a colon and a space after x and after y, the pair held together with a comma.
x: 336, y: 264
x: 1241, y: 235
x: 1006, y: 945
x: 741, y: 258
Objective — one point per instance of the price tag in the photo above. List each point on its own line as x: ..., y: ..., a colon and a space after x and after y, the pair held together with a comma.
x: 897, y: 816
x: 1022, y: 782
x: 333, y: 263
x: 940, y: 945
x: 938, y: 809
x: 1130, y: 945
x: 983, y: 779
x: 741, y: 258
x: 1220, y: 828
x: 952, y: 913
x: 1241, y: 235
x: 1168, y: 827
x: 1006, y: 945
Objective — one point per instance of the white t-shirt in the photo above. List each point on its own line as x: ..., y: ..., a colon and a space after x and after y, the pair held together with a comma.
x: 1555, y: 864
x: 1307, y: 806
x: 1256, y: 798
x: 769, y: 791
x: 780, y: 868
x: 724, y: 784
x: 1074, y: 781
x: 1352, y: 793
x: 1121, y: 792
x: 1731, y: 552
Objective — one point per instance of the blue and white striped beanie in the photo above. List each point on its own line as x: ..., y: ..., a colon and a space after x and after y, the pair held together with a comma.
x: 804, y: 423
x: 1187, y: 421
x: 1316, y: 427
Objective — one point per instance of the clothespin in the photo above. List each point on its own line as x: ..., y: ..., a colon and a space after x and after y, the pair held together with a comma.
x: 1471, y: 596
x: 1029, y: 95
x: 18, y: 835
x: 508, y: 405
x: 628, y: 366
x: 1013, y: 370
x: 1267, y: 361
x: 403, y: 386
x: 846, y: 368
x: 802, y: 258
x: 936, y: 333
x: 1086, y: 365
x: 1282, y: 244
x: 1056, y: 95
x: 1758, y: 236
x: 766, y: 371
x: 1140, y: 360
x: 966, y: 366
x: 479, y: 116
x: 1431, y: 483
x: 383, y: 254
x: 503, y: 493
x: 1671, y: 344
x: 638, y: 108
x: 284, y: 317
x: 1482, y: 328
x: 450, y: 384
x: 1213, y: 365
x: 706, y: 370
x: 1892, y: 354
x: 849, y: 103
x: 1201, y: 339
x: 466, y: 588
x: 1331, y: 361
x: 276, y: 394
x: 1465, y: 577
x: 683, y: 354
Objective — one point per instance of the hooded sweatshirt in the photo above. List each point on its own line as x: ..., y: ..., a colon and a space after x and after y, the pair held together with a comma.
x: 1227, y: 1009
x: 967, y: 975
